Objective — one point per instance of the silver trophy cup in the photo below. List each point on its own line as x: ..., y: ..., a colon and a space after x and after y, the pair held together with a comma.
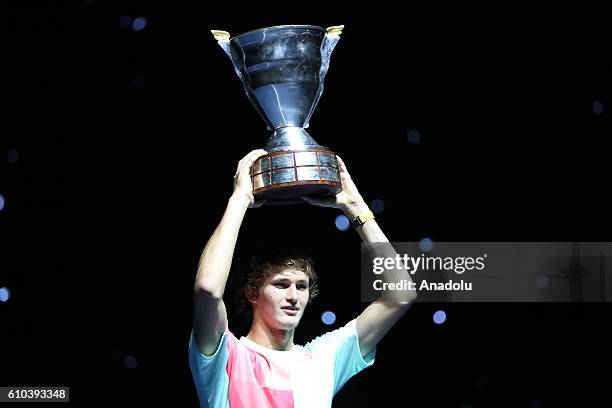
x: 282, y: 70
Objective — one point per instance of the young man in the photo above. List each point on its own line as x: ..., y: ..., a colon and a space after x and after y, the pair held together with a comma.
x: 265, y: 368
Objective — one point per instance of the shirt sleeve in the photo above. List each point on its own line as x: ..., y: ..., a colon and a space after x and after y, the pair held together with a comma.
x: 210, y: 372
x: 341, y: 346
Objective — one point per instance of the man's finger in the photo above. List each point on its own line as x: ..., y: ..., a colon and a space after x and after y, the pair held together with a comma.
x: 258, y: 152
x: 250, y: 158
x: 344, y: 174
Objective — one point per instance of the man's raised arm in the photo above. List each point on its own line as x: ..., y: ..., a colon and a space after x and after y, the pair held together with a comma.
x: 210, y: 317
x: 378, y: 318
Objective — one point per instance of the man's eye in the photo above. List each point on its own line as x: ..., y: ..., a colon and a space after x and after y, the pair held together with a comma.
x: 280, y: 285
x: 302, y: 287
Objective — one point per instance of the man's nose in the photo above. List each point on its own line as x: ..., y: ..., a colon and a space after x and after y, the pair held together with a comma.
x: 292, y: 293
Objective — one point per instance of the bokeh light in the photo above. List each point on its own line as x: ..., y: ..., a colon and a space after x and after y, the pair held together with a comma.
x: 328, y: 317
x: 12, y: 156
x: 5, y: 294
x: 598, y: 107
x: 542, y: 281
x: 426, y: 244
x: 130, y: 362
x: 377, y: 205
x: 342, y: 222
x: 139, y: 23
x: 439, y: 317
x: 413, y: 136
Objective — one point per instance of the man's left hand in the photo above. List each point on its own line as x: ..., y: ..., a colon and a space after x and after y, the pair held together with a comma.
x: 348, y: 200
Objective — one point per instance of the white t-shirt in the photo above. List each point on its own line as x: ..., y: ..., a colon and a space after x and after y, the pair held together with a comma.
x: 242, y: 373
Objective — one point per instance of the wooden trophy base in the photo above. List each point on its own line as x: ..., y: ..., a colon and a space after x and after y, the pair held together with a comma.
x: 286, y: 176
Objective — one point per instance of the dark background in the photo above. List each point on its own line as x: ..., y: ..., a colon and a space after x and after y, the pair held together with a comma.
x: 128, y: 140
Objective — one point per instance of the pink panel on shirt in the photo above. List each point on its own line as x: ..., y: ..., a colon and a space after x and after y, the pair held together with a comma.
x: 251, y: 377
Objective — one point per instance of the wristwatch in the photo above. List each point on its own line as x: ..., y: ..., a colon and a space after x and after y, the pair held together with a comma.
x: 362, y: 218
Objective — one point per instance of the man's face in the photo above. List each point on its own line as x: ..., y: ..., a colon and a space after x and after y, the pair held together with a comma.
x: 282, y: 299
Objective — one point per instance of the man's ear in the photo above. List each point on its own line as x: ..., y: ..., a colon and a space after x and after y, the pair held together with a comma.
x: 251, y: 293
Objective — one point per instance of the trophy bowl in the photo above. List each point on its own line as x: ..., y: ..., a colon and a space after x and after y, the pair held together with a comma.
x: 282, y: 70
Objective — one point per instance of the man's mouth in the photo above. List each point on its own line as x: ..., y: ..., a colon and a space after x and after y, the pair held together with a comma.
x: 291, y: 310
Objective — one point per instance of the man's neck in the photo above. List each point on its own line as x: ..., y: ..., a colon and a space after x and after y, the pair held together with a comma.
x: 275, y: 339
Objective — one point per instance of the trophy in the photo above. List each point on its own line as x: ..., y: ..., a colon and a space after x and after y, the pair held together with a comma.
x: 282, y: 70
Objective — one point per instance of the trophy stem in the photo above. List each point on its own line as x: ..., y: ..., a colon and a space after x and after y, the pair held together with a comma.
x: 290, y: 138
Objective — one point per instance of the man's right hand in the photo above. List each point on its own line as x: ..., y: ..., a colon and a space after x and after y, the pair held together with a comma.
x: 243, y: 187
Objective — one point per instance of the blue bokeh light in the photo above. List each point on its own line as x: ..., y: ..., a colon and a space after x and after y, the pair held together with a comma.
x: 139, y: 23
x: 377, y: 205
x: 130, y: 362
x: 439, y: 317
x: 5, y: 294
x: 413, y: 136
x: 598, y: 107
x: 342, y: 223
x: 328, y: 317
x: 542, y: 281
x: 1, y: 202
x: 12, y: 156
x: 426, y: 244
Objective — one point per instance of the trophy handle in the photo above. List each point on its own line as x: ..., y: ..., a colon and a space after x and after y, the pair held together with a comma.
x: 220, y: 35
x: 334, y: 30
x: 332, y: 36
x: 223, y: 39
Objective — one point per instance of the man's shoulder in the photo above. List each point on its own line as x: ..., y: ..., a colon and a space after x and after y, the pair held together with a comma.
x: 332, y: 337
